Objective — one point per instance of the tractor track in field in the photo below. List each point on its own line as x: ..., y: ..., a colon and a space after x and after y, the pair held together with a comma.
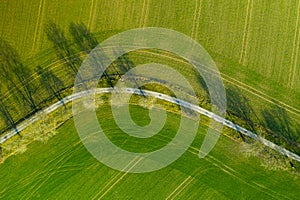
x: 233, y: 173
x: 93, y: 11
x: 180, y: 188
x: 246, y: 32
x: 37, y: 31
x: 117, y: 178
x: 145, y: 13
x: 296, y: 42
x: 196, y: 19
x: 228, y: 170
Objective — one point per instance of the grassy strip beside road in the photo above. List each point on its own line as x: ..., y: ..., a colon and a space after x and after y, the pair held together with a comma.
x: 74, y: 97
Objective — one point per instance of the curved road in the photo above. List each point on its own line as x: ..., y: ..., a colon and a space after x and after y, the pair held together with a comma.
x: 39, y: 115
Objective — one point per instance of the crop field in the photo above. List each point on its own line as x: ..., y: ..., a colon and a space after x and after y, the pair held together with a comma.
x: 255, y: 45
x: 261, y: 37
x: 63, y: 169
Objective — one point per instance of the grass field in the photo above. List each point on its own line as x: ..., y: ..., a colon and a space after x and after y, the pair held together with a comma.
x: 63, y: 169
x: 255, y: 45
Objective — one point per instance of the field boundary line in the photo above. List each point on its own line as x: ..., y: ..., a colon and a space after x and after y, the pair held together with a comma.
x: 180, y: 188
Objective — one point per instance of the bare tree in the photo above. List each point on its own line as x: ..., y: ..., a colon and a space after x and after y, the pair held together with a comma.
x: 82, y: 37
x: 278, y: 123
x: 16, y: 74
x: 64, y: 50
x: 50, y: 82
x: 62, y: 47
x: 240, y: 108
x: 6, y: 115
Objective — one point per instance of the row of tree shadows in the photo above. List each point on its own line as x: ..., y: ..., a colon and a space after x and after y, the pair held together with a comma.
x: 274, y: 122
x: 24, y: 90
x: 29, y: 94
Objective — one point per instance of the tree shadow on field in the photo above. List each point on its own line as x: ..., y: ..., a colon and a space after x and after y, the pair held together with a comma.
x: 204, y: 87
x: 14, y: 75
x: 62, y: 46
x: 17, y: 91
x: 279, y: 124
x: 240, y: 111
x: 51, y: 83
x: 82, y: 37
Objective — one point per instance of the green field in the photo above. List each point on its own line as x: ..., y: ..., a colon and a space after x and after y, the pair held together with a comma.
x: 255, y: 45
x: 63, y: 169
x: 260, y: 37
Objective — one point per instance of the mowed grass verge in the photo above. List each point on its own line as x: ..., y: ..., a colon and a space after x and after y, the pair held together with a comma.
x: 63, y: 169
